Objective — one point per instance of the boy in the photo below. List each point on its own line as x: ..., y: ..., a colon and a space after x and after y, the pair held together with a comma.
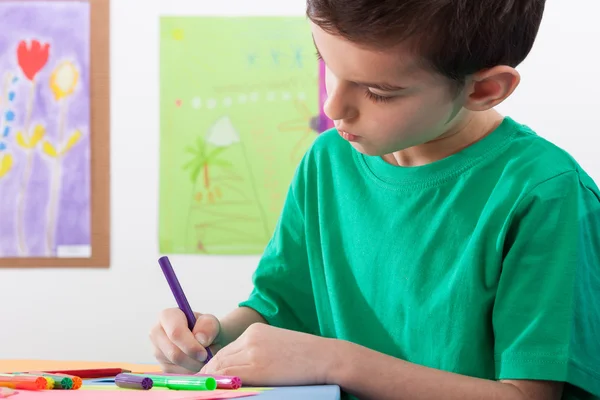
x: 429, y: 248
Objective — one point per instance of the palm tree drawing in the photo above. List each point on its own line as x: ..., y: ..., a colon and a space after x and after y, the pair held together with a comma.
x: 208, y: 157
x: 202, y: 162
x: 200, y: 168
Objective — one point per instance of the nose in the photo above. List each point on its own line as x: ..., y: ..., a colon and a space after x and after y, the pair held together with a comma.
x: 338, y: 106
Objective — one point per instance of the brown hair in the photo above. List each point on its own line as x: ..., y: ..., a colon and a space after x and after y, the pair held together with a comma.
x: 454, y: 37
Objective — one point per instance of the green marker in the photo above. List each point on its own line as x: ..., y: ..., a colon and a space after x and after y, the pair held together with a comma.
x: 60, y: 382
x: 182, y: 382
x: 202, y: 383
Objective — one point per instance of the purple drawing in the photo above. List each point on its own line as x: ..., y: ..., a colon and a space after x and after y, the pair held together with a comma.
x: 324, y: 121
x: 44, y: 129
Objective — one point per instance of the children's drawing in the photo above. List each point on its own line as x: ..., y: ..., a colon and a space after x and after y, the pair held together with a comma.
x: 237, y: 115
x: 323, y: 122
x: 44, y: 129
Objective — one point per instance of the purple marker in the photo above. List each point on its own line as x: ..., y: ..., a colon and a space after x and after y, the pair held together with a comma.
x: 134, y: 382
x: 182, y: 302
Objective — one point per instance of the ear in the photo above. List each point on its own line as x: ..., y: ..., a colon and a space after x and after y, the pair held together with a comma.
x: 490, y: 87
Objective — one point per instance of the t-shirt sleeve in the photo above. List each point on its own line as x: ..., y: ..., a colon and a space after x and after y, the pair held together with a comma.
x: 546, y: 315
x: 282, y: 291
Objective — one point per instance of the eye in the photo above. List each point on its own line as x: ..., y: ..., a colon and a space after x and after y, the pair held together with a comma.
x: 318, y: 55
x: 377, y: 98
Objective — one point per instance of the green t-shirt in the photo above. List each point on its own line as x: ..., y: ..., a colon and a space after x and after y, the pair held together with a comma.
x: 485, y: 263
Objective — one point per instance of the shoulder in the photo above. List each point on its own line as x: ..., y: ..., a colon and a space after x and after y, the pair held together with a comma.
x: 327, y: 152
x: 537, y: 164
x: 318, y: 159
x: 539, y: 154
x: 329, y: 144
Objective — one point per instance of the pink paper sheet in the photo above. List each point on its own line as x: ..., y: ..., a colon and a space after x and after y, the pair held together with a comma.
x: 129, y: 395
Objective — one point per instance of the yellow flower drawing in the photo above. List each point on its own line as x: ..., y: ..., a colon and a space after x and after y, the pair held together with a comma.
x: 52, y: 151
x: 27, y: 142
x: 63, y: 80
x: 63, y: 83
x: 6, y: 163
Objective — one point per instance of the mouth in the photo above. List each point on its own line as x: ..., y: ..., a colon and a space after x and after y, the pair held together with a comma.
x: 348, y: 136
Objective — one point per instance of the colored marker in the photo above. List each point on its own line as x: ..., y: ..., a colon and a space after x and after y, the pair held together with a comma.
x: 133, y: 382
x: 223, y: 381
x: 60, y: 381
x: 92, y: 373
x: 226, y: 382
x: 198, y: 384
x: 50, y: 383
x: 23, y: 382
x: 76, y: 381
x: 182, y: 382
x: 182, y: 301
x: 49, y: 380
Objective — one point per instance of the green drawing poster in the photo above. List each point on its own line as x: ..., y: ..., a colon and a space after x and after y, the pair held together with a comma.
x: 239, y: 97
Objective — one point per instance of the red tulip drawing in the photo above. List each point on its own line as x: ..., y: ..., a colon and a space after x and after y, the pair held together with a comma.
x: 32, y: 58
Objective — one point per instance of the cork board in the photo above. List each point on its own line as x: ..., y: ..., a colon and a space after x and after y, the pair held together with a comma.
x: 54, y: 134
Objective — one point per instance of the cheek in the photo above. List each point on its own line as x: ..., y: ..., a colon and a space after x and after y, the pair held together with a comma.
x: 409, y: 117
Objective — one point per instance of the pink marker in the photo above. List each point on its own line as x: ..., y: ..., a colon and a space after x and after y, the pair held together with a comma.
x: 226, y: 382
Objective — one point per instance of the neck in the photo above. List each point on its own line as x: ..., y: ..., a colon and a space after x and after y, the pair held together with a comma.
x: 469, y: 130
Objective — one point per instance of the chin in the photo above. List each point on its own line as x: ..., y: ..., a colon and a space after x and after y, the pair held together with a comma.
x: 367, y: 150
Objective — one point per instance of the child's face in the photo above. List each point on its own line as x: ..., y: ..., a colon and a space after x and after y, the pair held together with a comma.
x: 421, y: 106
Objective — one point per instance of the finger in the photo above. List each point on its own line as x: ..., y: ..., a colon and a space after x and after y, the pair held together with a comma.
x: 168, y: 366
x: 232, y: 370
x: 232, y: 348
x: 169, y: 353
x: 165, y: 364
x: 207, y: 329
x: 155, y: 332
x: 232, y: 355
x: 175, y: 326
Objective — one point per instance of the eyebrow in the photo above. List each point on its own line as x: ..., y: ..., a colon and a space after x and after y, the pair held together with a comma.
x: 385, y: 87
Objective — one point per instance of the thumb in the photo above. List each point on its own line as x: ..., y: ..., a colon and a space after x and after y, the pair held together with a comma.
x: 207, y: 329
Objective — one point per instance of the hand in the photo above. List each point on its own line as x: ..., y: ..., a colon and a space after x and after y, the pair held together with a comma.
x: 176, y: 348
x: 264, y: 355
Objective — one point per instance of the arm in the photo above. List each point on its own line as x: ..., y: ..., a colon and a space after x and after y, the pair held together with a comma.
x: 236, y: 322
x: 371, y: 375
x: 269, y: 356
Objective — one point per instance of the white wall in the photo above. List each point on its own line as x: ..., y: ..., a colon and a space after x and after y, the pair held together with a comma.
x: 106, y: 314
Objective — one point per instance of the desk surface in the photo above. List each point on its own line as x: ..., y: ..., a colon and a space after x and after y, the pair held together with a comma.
x: 326, y: 392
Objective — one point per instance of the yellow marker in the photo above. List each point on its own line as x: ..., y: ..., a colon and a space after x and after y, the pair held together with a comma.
x: 49, y: 382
